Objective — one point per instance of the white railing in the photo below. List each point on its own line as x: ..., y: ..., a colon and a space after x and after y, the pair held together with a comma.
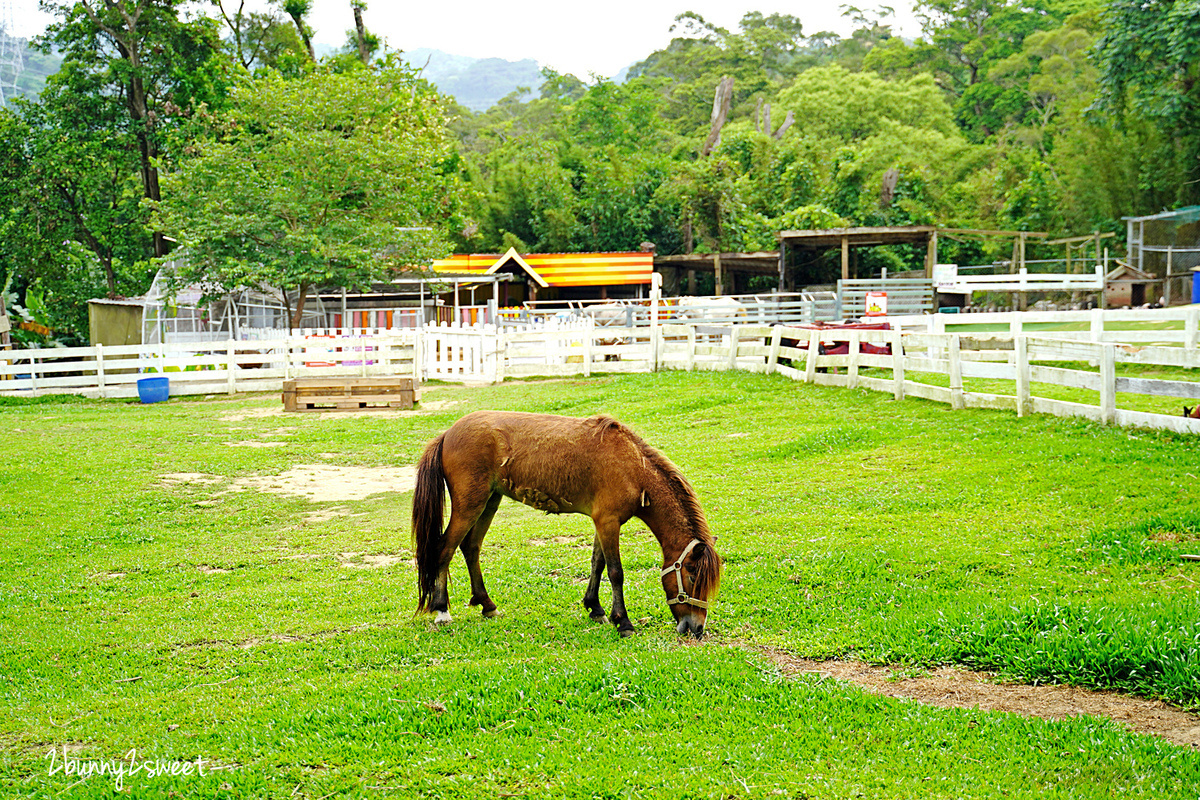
x: 1025, y: 281
x: 203, y: 367
x: 490, y: 354
x: 1180, y: 326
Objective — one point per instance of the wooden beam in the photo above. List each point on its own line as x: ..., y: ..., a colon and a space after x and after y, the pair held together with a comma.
x: 930, y: 254
x: 719, y: 287
x: 845, y: 258
x: 1077, y: 239
x: 976, y: 232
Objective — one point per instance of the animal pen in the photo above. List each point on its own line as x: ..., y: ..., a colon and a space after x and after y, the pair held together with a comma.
x: 926, y: 344
x: 1167, y: 246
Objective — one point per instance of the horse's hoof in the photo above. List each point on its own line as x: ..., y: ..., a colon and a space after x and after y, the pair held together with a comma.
x: 442, y: 618
x: 626, y: 633
x: 598, y: 617
x: 495, y: 612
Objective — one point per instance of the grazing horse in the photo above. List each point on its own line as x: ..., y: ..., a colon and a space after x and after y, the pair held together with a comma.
x: 1192, y: 413
x: 596, y: 467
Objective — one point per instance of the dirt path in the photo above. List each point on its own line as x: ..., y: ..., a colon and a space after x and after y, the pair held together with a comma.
x: 955, y: 688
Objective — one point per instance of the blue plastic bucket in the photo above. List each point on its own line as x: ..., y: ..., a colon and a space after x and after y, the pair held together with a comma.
x: 1196, y: 284
x: 153, y: 390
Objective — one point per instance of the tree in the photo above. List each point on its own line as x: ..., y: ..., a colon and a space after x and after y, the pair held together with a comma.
x: 297, y: 10
x: 330, y: 180
x: 259, y: 39
x: 75, y: 177
x: 1149, y: 59
x: 159, y: 65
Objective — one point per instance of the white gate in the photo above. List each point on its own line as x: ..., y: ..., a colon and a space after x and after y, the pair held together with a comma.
x: 459, y: 353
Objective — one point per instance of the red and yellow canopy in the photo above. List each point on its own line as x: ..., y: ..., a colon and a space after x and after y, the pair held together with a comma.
x: 558, y: 269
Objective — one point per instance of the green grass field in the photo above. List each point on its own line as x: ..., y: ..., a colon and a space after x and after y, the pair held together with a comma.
x: 184, y: 621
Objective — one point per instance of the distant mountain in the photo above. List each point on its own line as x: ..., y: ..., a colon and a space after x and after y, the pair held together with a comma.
x: 477, y: 83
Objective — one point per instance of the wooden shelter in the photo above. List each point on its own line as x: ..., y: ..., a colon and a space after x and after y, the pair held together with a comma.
x: 799, y: 249
x: 727, y: 269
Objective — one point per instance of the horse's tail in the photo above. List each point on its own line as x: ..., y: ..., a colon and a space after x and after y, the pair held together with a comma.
x: 429, y: 506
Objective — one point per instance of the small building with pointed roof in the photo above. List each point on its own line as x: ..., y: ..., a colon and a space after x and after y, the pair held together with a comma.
x: 557, y: 276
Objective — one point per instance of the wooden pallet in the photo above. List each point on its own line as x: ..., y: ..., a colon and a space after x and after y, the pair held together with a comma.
x: 349, y: 394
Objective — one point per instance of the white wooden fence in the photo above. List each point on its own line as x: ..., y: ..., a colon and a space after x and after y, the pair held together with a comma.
x: 490, y: 354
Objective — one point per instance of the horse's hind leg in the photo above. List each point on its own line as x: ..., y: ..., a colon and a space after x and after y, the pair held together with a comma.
x: 470, y: 550
x: 591, y: 598
x: 465, y: 509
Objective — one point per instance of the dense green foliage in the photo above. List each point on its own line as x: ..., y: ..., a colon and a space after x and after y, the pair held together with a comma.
x: 321, y: 182
x: 1052, y: 115
x: 189, y: 619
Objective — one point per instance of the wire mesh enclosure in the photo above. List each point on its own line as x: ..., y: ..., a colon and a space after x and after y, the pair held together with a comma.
x: 1167, y: 246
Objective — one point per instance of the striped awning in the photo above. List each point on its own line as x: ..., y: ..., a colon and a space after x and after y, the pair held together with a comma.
x: 559, y: 269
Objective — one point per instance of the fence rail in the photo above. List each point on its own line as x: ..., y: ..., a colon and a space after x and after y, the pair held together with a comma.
x: 913, y: 346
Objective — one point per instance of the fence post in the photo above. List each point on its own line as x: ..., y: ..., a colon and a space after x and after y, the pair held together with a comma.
x: 837, y: 307
x: 773, y: 358
x: 852, y: 367
x: 810, y: 363
x: 1191, y: 324
x: 691, y: 348
x: 1097, y: 325
x: 1108, y: 383
x: 416, y: 356
x: 898, y: 363
x: 956, y: 384
x: 589, y: 341
x: 734, y: 334
x: 230, y: 367
x: 100, y: 371
x: 1021, y: 345
x: 655, y: 331
x: 501, y: 354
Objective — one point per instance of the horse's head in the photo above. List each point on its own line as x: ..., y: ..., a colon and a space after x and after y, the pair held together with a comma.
x: 1191, y: 413
x: 690, y: 579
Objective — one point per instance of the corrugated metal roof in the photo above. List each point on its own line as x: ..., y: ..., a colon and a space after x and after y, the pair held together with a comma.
x: 560, y: 269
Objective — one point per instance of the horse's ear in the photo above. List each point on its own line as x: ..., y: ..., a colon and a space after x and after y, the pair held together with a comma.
x: 1187, y: 412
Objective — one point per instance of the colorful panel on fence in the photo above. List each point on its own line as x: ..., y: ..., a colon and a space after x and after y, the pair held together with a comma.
x: 563, y: 269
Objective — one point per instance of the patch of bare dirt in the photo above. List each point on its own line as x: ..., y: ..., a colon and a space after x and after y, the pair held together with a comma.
x: 948, y: 687
x: 316, y: 482
x: 371, y: 561
x: 256, y: 444
x: 253, y: 413
x: 331, y: 483
x: 424, y: 407
x: 177, y: 478
x: 555, y: 540
x: 326, y: 514
x: 207, y: 570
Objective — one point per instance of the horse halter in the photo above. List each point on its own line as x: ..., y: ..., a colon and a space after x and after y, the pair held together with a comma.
x: 677, y: 568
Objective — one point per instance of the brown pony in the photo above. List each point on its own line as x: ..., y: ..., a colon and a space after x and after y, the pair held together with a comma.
x: 596, y: 467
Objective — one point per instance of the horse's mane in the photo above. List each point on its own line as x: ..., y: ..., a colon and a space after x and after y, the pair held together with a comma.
x: 708, y: 565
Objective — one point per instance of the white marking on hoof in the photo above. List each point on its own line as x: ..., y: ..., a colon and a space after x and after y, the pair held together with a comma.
x: 442, y: 617
x: 495, y: 612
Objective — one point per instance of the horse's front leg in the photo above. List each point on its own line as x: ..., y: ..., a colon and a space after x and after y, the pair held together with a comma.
x: 608, y: 533
x: 591, y: 598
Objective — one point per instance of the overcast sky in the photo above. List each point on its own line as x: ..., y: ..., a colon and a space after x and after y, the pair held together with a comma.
x: 580, y: 38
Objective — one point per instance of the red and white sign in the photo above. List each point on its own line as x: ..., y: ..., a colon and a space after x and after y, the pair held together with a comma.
x: 876, y: 304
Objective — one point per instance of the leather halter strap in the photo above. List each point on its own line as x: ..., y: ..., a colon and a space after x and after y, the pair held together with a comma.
x: 677, y: 568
